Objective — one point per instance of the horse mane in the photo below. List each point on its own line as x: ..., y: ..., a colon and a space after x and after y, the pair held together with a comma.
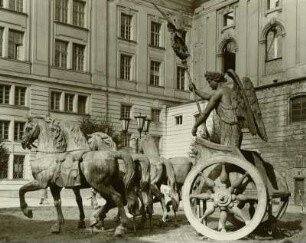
x: 59, y: 139
x: 100, y: 138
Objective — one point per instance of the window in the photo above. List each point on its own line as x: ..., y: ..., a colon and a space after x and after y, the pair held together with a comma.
x: 69, y: 102
x: 20, y: 93
x: 78, y: 57
x: 16, y: 5
x: 61, y: 11
x: 78, y: 13
x: 229, y: 56
x: 15, y: 44
x: 155, y: 115
x: 298, y: 108
x: 126, y: 140
x: 273, y: 4
x: 5, y: 94
x: 228, y: 19
x: 82, y: 101
x: 18, y: 166
x: 155, y: 33
x: 4, y: 129
x: 1, y: 3
x: 125, y: 111
x: 18, y: 130
x: 154, y: 73
x: 3, y: 168
x: 126, y: 26
x: 273, y: 43
x: 1, y: 41
x: 125, y: 67
x: 55, y: 101
x: 61, y: 54
x: 180, y: 78
x: 179, y: 120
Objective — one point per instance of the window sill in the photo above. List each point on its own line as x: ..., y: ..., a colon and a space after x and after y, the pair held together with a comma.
x: 275, y: 59
x: 157, y: 47
x: 127, y: 40
x: 70, y: 113
x: 156, y: 86
x: 182, y: 90
x: 126, y: 80
x: 14, y: 60
x: 19, y: 107
x: 70, y: 70
x: 71, y: 25
x: 13, y: 11
x: 277, y: 9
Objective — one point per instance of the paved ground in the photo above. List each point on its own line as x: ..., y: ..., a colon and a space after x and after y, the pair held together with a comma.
x: 292, y: 228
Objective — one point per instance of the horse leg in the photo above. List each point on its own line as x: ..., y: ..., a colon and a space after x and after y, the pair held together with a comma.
x: 94, y: 201
x: 31, y: 186
x: 156, y: 192
x: 111, y: 195
x: 78, y: 198
x: 55, y: 191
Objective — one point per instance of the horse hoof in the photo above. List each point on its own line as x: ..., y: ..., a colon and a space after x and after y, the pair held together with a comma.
x: 81, y: 225
x: 120, y: 230
x: 93, y: 222
x: 55, y: 229
x: 29, y: 213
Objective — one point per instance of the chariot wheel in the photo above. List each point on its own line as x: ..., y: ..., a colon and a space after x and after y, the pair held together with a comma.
x: 213, y: 192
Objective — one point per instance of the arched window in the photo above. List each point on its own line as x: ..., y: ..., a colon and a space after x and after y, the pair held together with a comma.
x: 229, y: 56
x: 298, y: 108
x: 273, y: 43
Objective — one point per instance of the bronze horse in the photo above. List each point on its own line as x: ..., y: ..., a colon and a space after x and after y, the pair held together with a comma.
x: 100, y: 141
x: 171, y: 172
x: 60, y: 143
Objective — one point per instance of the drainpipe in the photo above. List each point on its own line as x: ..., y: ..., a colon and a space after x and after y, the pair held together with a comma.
x: 106, y: 63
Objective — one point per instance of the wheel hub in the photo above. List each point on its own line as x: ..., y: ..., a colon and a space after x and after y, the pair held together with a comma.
x: 222, y: 198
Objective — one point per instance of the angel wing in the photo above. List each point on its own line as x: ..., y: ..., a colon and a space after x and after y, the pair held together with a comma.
x: 246, y: 105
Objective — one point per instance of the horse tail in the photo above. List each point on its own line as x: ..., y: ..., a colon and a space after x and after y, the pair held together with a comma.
x: 172, y: 184
x: 129, y: 181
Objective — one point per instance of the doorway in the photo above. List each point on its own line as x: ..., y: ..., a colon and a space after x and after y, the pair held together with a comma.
x: 299, y: 191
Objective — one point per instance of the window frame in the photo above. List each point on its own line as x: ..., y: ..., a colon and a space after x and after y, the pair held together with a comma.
x: 156, y: 118
x: 16, y: 5
x: 178, y: 120
x: 15, y: 51
x: 226, y: 18
x: 18, y: 131
x: 61, y: 56
x: 78, y: 13
x: 302, y: 114
x: 16, y: 175
x: 126, y: 27
x: 5, y: 129
x: 123, y: 112
x: 277, y: 46
x: 78, y: 57
x: 126, y: 71
x: 54, y: 106
x: 153, y: 76
x: 155, y: 35
x: 180, y: 79
x: 6, y: 94
x: 61, y: 10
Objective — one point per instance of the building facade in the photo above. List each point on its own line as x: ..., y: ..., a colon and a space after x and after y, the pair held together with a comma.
x: 71, y: 58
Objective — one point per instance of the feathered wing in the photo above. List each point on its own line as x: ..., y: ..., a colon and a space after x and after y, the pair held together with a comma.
x: 246, y: 106
x: 253, y: 101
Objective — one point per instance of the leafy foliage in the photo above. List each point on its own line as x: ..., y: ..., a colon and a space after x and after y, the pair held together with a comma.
x: 4, y: 156
x: 90, y: 125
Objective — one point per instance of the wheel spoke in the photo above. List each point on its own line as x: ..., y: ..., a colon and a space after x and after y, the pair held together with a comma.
x: 246, y: 197
x: 238, y: 182
x: 209, y: 211
x: 223, y: 175
x: 237, y: 212
x: 209, y: 182
x: 222, y: 220
x: 202, y: 196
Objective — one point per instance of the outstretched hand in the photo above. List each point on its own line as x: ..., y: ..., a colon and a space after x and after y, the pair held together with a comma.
x: 194, y: 131
x: 192, y: 87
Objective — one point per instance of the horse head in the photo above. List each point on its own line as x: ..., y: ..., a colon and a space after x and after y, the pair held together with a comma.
x: 30, y: 133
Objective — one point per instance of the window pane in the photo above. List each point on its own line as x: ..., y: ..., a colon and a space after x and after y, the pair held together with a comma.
x: 61, y: 54
x: 273, y: 4
x: 155, y: 33
x: 180, y: 78
x: 1, y: 41
x: 5, y: 94
x: 55, y: 101
x: 69, y: 102
x: 20, y: 93
x: 18, y: 130
x: 155, y: 115
x: 82, y: 100
x: 15, y: 44
x: 125, y: 111
x: 154, y: 73
x: 273, y: 43
x: 16, y: 5
x: 298, y: 109
x: 228, y: 19
x: 125, y: 67
x: 78, y: 57
x: 4, y: 129
x: 18, y: 166
x: 126, y: 26
x: 179, y: 120
x: 61, y: 10
x: 78, y: 13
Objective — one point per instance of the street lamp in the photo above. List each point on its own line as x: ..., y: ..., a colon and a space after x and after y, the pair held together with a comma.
x: 140, y: 123
x: 146, y: 125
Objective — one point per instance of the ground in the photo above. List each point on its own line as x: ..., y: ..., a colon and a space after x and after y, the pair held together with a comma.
x: 15, y: 227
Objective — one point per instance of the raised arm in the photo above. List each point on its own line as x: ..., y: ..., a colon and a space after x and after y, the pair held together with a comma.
x: 203, y: 95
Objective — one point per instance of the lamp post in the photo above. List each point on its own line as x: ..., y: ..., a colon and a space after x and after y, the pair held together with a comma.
x: 143, y: 125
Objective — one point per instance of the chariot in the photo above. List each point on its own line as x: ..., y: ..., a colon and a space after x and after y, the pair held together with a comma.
x: 230, y: 192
